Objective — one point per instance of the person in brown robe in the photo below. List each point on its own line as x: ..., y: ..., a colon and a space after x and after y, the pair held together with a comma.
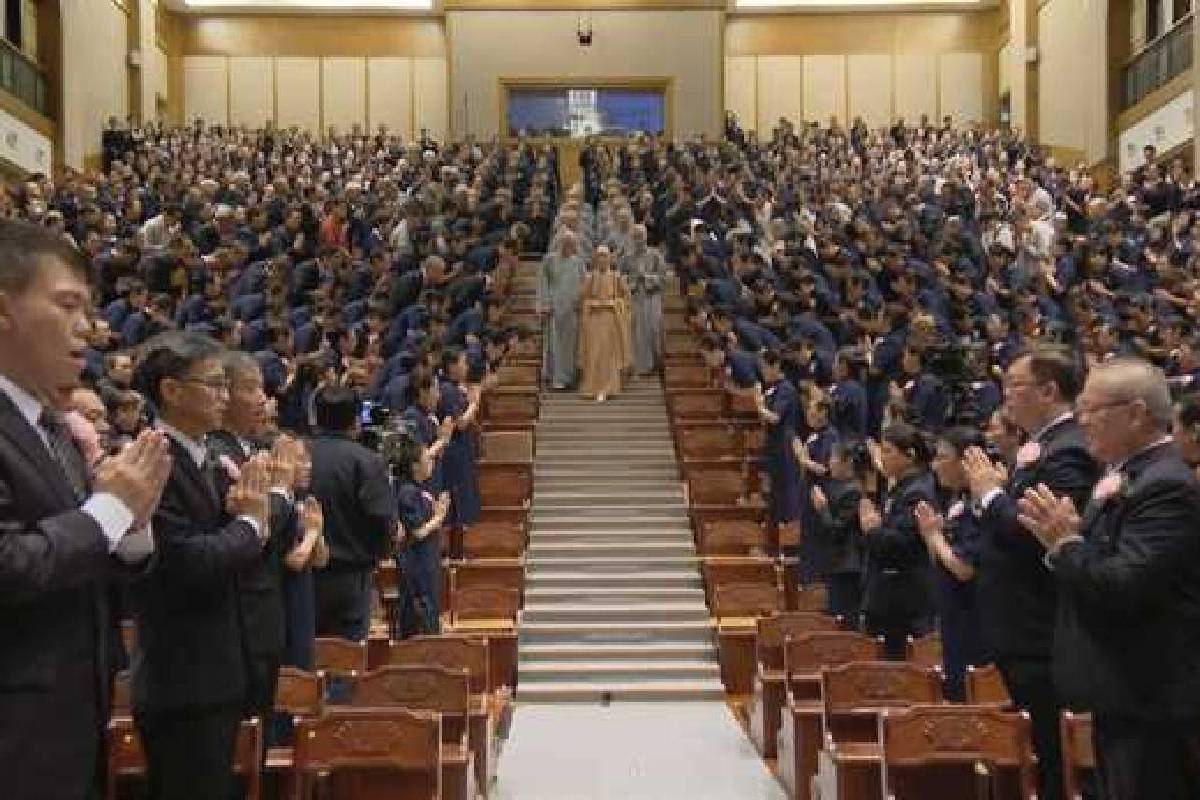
x: 604, y: 329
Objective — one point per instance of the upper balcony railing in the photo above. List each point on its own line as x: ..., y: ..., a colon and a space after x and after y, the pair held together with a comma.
x: 1166, y: 57
x: 23, y: 78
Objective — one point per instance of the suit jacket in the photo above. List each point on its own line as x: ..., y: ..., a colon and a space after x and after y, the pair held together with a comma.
x: 1016, y: 594
x: 1127, y: 639
x: 356, y: 496
x: 54, y: 656
x: 192, y: 651
x: 898, y: 577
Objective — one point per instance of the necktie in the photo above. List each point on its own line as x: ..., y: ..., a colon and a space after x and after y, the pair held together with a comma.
x: 210, y: 467
x: 62, y: 447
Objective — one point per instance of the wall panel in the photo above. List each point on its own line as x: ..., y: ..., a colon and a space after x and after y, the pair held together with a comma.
x: 389, y: 94
x: 780, y: 81
x: 869, y: 88
x: 1073, y: 76
x: 741, y: 81
x: 429, y: 97
x: 960, y: 87
x: 825, y: 88
x: 916, y: 86
x: 343, y: 93
x: 298, y: 92
x: 206, y: 89
x: 95, y: 86
x: 251, y: 91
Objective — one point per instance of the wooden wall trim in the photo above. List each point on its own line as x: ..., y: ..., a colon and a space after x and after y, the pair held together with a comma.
x: 41, y: 124
x: 1154, y: 101
x: 279, y: 35
x: 865, y: 32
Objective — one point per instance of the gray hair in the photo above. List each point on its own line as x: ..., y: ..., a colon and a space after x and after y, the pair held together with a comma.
x: 1129, y: 378
x: 239, y: 362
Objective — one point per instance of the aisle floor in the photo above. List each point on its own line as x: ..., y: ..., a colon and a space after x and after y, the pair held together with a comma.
x: 631, y: 751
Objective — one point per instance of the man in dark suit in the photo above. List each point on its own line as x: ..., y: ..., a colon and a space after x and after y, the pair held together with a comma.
x: 1017, y: 596
x: 261, y: 584
x: 1127, y: 640
x: 59, y: 528
x: 190, y: 674
x: 408, y: 286
x: 351, y: 483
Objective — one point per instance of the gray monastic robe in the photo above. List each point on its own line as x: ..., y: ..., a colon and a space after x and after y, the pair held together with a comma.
x: 647, y: 272
x: 559, y: 281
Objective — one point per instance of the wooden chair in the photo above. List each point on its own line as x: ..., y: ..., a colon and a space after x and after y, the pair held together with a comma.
x: 853, y: 696
x: 126, y: 759
x: 708, y: 441
x: 387, y: 584
x: 370, y: 754
x: 484, y: 608
x: 514, y: 447
x: 799, y: 737
x: 505, y: 489
x: 300, y: 695
x: 769, y: 689
x: 510, y: 408
x: 813, y: 597
x: 732, y: 537
x: 1078, y: 752
x: 985, y: 687
x: 518, y: 376
x: 736, y: 569
x: 926, y: 650
x: 687, y: 405
x: 737, y: 608
x: 427, y: 688
x: 938, y: 751
x: 687, y: 376
x: 488, y: 705
x: 341, y: 658
x: 496, y: 539
x: 121, y: 703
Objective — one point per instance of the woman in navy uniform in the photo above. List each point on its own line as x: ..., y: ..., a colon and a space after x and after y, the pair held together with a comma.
x: 420, y: 550
x: 896, y: 589
x: 812, y: 452
x: 836, y: 528
x: 422, y: 422
x: 778, y: 406
x: 953, y: 540
x: 848, y: 413
x: 460, y: 403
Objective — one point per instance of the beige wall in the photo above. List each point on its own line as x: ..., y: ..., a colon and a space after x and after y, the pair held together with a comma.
x: 1073, y: 76
x: 683, y: 46
x: 94, y: 85
x: 877, y: 66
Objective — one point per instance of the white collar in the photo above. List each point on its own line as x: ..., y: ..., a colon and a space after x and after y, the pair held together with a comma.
x: 29, y: 406
x: 195, y: 449
x: 1061, y: 418
x: 1120, y: 465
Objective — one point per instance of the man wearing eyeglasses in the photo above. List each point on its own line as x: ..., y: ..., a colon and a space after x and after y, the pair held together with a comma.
x: 190, y: 675
x: 1127, y: 567
x: 1017, y: 595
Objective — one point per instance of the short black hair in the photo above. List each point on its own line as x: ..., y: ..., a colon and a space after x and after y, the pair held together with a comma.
x: 962, y: 437
x: 171, y: 355
x: 25, y: 247
x: 337, y: 408
x: 1057, y: 364
x: 910, y: 440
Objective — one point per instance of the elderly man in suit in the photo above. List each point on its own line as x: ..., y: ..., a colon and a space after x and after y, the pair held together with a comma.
x: 1018, y: 597
x: 191, y: 677
x: 1127, y: 567
x: 60, y: 528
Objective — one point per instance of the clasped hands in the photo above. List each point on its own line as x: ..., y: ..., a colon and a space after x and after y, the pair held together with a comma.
x: 249, y: 496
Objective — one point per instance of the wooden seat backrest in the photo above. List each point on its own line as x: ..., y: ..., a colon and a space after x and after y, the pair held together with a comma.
x: 687, y: 376
x: 921, y: 742
x: 741, y: 404
x: 775, y: 629
x: 341, y: 657
x: 371, y: 753
x: 739, y: 570
x: 708, y: 440
x: 495, y: 539
x: 507, y: 574
x: 419, y: 688
x: 985, y: 686
x: 804, y: 656
x: 716, y: 486
x: 514, y: 447
x: 926, y: 650
x: 511, y: 405
x: 853, y: 694
x: 518, y: 375
x: 450, y: 652
x: 695, y: 404
x: 1078, y: 751
x: 737, y: 537
x: 755, y: 599
x: 484, y: 602
x: 680, y: 344
x: 813, y: 597
x: 505, y: 484
x: 300, y: 693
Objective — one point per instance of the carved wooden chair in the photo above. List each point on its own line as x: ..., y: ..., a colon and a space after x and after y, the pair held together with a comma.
x: 985, y: 687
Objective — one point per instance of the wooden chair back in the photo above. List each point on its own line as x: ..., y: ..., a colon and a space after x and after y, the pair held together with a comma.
x: 936, y: 750
x: 708, y: 440
x: 450, y: 652
x: 985, y: 687
x: 496, y: 539
x: 926, y: 650
x: 341, y: 658
x: 804, y: 656
x: 484, y: 603
x: 508, y: 574
x: 513, y: 447
x: 505, y: 485
x: 511, y: 406
x: 741, y: 404
x: 688, y: 405
x: 731, y: 537
x: 853, y: 694
x: 370, y: 754
x: 1078, y: 752
x: 813, y: 597
x: 716, y: 486
x: 419, y: 688
x: 775, y: 629
x: 518, y: 375
x: 746, y: 600
x: 300, y: 693
x: 680, y: 345
x: 122, y: 694
x: 687, y: 376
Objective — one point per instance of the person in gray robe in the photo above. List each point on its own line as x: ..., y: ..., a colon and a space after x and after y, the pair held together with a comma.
x: 647, y: 274
x: 559, y: 282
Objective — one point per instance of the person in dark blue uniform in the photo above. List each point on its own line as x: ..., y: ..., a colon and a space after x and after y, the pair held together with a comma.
x: 779, y: 407
x: 420, y: 551
x: 836, y: 529
x: 896, y: 588
x: 460, y: 403
x: 309, y: 553
x: 812, y: 450
x: 953, y: 540
x: 422, y: 421
x: 849, y: 410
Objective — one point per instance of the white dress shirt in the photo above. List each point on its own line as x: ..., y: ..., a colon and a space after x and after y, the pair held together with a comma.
x: 199, y: 453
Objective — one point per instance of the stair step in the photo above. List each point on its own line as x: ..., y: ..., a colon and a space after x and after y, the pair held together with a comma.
x: 601, y: 485
x: 539, y: 549
x: 647, y: 613
x: 667, y: 691
x: 610, y: 496
x: 582, y: 522
x: 617, y: 671
x: 612, y: 564
x: 595, y: 652
x: 630, y: 595
x: 613, y: 632
x: 574, y: 578
x: 561, y: 536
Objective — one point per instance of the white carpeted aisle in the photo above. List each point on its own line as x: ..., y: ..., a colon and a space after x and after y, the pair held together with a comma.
x: 631, y: 751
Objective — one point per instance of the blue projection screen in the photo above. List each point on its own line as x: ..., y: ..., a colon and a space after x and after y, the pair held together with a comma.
x: 585, y: 111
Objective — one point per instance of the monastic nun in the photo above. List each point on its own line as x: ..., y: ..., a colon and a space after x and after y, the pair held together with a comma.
x: 646, y: 271
x: 559, y: 282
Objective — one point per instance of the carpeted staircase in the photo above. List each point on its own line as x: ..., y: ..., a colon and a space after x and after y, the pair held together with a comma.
x: 614, y: 604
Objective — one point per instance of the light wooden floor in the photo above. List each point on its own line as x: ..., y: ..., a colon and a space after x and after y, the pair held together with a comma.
x: 631, y: 751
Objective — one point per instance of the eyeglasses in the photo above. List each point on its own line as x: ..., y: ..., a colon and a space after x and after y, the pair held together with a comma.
x: 215, y: 384
x: 1082, y: 411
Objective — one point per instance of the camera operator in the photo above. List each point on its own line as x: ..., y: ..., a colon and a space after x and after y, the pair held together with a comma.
x: 351, y: 483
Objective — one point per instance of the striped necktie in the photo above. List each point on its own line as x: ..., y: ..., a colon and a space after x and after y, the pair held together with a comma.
x: 62, y: 447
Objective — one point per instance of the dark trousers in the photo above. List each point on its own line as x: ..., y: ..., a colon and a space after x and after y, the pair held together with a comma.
x: 1031, y: 686
x: 344, y: 603
x: 845, y: 597
x: 896, y: 631
x: 189, y: 754
x: 1139, y: 760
